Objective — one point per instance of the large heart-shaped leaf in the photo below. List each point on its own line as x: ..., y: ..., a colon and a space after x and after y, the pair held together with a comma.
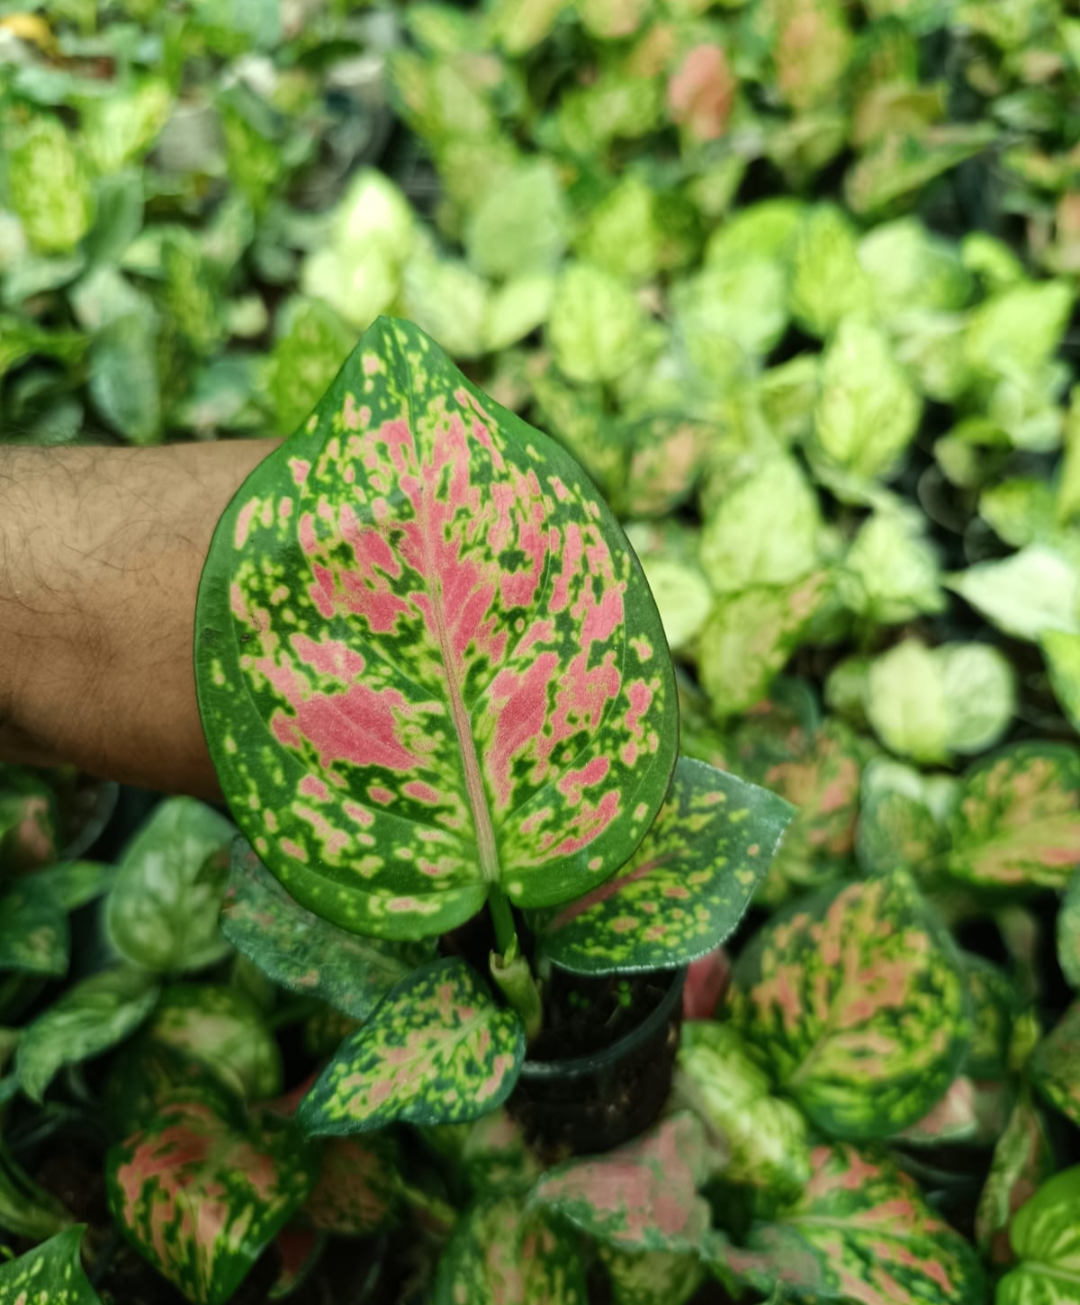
x: 305, y: 953
x: 1055, y: 1064
x: 1017, y: 823
x: 164, y: 906
x: 50, y: 1274
x: 1022, y: 1159
x: 1046, y: 1238
x: 687, y: 886
x: 641, y: 1196
x: 501, y: 1253
x: 224, y: 1029
x: 856, y: 1002
x: 862, y: 1232
x: 88, y: 1019
x: 428, y: 661
x: 34, y: 934
x: 200, y: 1192
x: 438, y: 1050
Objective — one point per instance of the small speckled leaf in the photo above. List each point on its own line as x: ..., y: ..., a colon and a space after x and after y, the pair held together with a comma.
x: 305, y: 953
x: 1022, y: 1159
x: 1045, y: 1235
x: 857, y: 1004
x: 1068, y: 933
x: 503, y: 1255
x: 821, y: 778
x: 50, y: 1274
x: 163, y: 909
x: 651, y: 1277
x: 34, y: 935
x: 438, y: 1050
x: 357, y: 1189
x: 687, y: 886
x: 1055, y: 1064
x: 427, y: 660
x: 86, y: 1020
x: 641, y: 1196
x: 862, y: 1232
x: 221, y: 1027
x: 1017, y: 823
x: 896, y: 829
x: 200, y: 1193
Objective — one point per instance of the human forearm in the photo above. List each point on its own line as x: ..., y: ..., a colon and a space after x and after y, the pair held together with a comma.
x: 100, y: 556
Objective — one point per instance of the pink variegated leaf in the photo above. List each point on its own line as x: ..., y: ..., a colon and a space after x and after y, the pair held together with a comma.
x: 358, y: 1190
x: 200, y: 1191
x: 504, y: 1254
x: 860, y: 1232
x: 428, y: 662
x: 641, y: 1196
x: 856, y: 1003
x: 438, y: 1050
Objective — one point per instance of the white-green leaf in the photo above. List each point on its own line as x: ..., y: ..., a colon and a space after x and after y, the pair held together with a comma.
x: 928, y: 703
x: 596, y: 328
x: 1034, y: 591
x: 741, y: 546
x: 1045, y: 1235
x: 163, y: 910
x: 868, y: 411
x: 88, y: 1019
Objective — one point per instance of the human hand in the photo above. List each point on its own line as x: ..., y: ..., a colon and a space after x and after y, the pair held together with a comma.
x: 101, y: 550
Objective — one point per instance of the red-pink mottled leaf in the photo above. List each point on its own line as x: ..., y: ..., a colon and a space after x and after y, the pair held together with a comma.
x: 856, y: 1003
x: 438, y: 1050
x: 860, y: 1233
x: 357, y: 1191
x: 201, y: 1193
x: 706, y: 982
x: 427, y: 660
x: 1017, y: 823
x: 501, y: 1254
x: 641, y: 1196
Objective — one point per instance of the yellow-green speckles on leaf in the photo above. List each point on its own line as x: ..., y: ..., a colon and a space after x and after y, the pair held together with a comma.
x: 687, y: 886
x: 438, y: 1050
x: 51, y: 1274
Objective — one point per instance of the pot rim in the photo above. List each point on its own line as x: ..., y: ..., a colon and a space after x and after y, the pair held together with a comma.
x: 544, y: 1071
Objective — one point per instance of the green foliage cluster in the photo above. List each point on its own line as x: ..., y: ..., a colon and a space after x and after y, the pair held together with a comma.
x: 794, y: 280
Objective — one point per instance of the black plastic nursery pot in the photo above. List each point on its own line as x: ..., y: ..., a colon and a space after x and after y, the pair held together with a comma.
x: 590, y: 1103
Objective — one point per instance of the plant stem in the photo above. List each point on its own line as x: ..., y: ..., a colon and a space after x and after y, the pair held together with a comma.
x: 502, y: 918
x: 509, y: 968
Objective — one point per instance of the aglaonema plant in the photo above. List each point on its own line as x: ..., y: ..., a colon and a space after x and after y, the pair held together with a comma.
x: 434, y: 681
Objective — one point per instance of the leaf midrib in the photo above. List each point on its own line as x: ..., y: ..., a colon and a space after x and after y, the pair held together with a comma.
x: 486, y: 846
